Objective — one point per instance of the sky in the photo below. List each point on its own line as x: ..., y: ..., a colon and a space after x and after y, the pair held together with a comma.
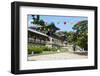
x: 65, y: 23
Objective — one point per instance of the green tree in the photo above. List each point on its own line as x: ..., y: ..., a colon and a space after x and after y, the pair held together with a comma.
x: 81, y: 34
x: 69, y: 36
x: 36, y: 20
x: 44, y: 28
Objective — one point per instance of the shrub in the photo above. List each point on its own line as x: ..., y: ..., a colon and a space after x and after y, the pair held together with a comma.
x: 39, y: 49
x: 29, y: 51
x: 36, y: 50
x: 53, y: 49
x: 46, y: 48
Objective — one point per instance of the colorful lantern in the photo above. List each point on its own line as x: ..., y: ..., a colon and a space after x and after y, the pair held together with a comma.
x: 78, y: 23
x: 64, y: 23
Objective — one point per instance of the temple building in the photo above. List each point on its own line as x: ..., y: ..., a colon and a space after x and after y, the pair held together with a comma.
x: 41, y: 38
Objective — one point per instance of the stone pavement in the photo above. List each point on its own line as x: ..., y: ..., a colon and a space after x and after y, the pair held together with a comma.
x: 57, y: 56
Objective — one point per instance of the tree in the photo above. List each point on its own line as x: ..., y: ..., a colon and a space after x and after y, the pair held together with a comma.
x: 51, y: 28
x: 36, y: 20
x: 81, y: 34
x: 69, y: 36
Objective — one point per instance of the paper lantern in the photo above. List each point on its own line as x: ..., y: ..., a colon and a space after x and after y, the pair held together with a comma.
x: 72, y: 23
x: 78, y: 23
x: 64, y: 22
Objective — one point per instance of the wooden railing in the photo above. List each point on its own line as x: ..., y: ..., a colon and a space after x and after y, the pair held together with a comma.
x: 38, y: 41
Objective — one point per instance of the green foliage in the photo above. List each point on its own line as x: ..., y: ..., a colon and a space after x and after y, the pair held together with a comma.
x: 44, y: 28
x: 30, y: 51
x: 49, y: 49
x: 40, y: 22
x: 36, y: 50
x: 53, y: 49
x: 69, y: 36
x: 81, y: 27
x: 37, y: 20
x: 39, y: 49
x: 45, y: 48
x: 81, y: 34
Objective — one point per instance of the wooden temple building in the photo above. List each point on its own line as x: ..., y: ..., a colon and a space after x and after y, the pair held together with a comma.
x: 40, y: 38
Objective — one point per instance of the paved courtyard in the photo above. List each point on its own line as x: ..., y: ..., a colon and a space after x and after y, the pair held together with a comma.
x: 57, y: 56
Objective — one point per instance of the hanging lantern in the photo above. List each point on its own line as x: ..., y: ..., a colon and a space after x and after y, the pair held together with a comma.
x: 78, y: 23
x: 64, y: 23
x: 72, y: 23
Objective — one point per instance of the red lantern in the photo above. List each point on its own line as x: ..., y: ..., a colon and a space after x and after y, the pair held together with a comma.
x: 78, y: 23
x: 64, y: 22
x: 72, y: 23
